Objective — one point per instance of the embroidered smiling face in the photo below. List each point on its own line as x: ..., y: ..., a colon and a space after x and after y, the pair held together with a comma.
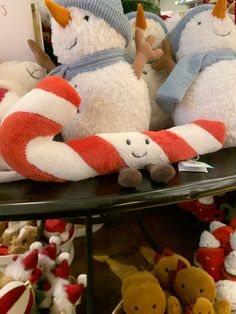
x: 146, y: 297
x: 192, y: 283
x: 23, y: 74
x: 205, y: 32
x: 136, y: 149
x: 85, y: 34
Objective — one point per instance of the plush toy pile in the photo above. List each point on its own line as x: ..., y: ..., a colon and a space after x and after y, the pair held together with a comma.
x: 175, y: 287
x: 40, y: 279
x: 217, y: 255
x: 105, y: 94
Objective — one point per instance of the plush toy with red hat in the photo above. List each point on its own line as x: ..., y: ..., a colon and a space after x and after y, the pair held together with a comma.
x: 215, y: 254
x: 67, y: 296
x: 65, y: 232
x: 22, y: 266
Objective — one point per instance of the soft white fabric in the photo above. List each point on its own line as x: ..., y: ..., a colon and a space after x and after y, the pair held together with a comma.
x: 208, y: 240
x: 112, y: 100
x: 91, y: 36
x: 212, y: 94
x: 226, y: 290
x: 230, y: 263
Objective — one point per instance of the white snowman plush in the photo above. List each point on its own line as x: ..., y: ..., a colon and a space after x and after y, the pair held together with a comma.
x: 154, y: 26
x: 16, y: 79
x: 201, y: 85
x: 89, y: 38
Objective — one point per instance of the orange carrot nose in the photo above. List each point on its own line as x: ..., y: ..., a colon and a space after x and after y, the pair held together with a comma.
x: 60, y: 14
x: 140, y: 17
x: 220, y: 9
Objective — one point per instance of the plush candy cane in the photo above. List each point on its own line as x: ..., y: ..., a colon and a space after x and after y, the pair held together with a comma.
x: 26, y: 139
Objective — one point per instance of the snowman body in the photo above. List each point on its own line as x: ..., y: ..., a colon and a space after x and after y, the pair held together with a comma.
x: 112, y: 97
x: 212, y: 96
x: 112, y: 100
x: 212, y: 93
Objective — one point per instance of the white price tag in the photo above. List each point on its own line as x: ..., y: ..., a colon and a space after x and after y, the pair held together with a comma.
x: 191, y: 165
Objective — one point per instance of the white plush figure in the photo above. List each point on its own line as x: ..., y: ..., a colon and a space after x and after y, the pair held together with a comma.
x: 16, y: 79
x: 157, y: 28
x: 201, y: 85
x: 21, y: 268
x: 226, y: 290
x: 89, y: 38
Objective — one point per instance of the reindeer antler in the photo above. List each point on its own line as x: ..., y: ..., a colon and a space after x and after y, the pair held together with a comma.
x: 42, y: 58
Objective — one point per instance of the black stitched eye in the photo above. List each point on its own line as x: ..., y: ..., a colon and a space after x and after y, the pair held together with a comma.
x: 199, y: 23
x: 86, y: 18
x: 166, y: 270
x: 202, y: 290
x: 144, y: 72
x: 147, y: 141
x: 136, y: 308
x: 182, y: 286
x: 128, y: 142
x: 154, y: 306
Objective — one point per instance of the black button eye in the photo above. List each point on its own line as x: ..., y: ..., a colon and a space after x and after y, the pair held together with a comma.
x: 86, y: 18
x: 147, y: 141
x: 199, y: 23
x: 182, y: 286
x: 202, y: 290
x: 154, y: 306
x: 166, y: 270
x: 128, y: 142
x: 136, y: 308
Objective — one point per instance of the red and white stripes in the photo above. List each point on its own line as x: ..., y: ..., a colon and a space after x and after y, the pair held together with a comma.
x: 16, y: 297
x: 26, y: 139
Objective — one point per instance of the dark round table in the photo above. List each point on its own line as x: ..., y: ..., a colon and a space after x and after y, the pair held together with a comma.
x: 28, y: 200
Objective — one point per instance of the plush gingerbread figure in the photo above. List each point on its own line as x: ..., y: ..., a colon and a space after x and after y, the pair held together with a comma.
x: 166, y: 267
x: 193, y: 283
x: 142, y: 293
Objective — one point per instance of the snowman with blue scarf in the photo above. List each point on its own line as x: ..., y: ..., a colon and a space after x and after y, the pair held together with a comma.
x: 152, y: 25
x: 201, y: 84
x: 89, y: 38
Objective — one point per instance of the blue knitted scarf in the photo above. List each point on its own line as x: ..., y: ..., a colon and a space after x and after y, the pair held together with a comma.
x: 89, y: 63
x: 182, y: 76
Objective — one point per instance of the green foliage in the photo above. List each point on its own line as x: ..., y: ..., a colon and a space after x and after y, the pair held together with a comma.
x: 148, y: 5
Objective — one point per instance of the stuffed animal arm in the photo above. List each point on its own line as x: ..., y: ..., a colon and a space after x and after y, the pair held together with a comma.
x: 27, y: 132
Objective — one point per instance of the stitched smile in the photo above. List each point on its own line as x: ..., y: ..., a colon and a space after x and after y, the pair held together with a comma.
x: 136, y: 156
x: 224, y: 35
x: 33, y: 74
x: 76, y: 40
